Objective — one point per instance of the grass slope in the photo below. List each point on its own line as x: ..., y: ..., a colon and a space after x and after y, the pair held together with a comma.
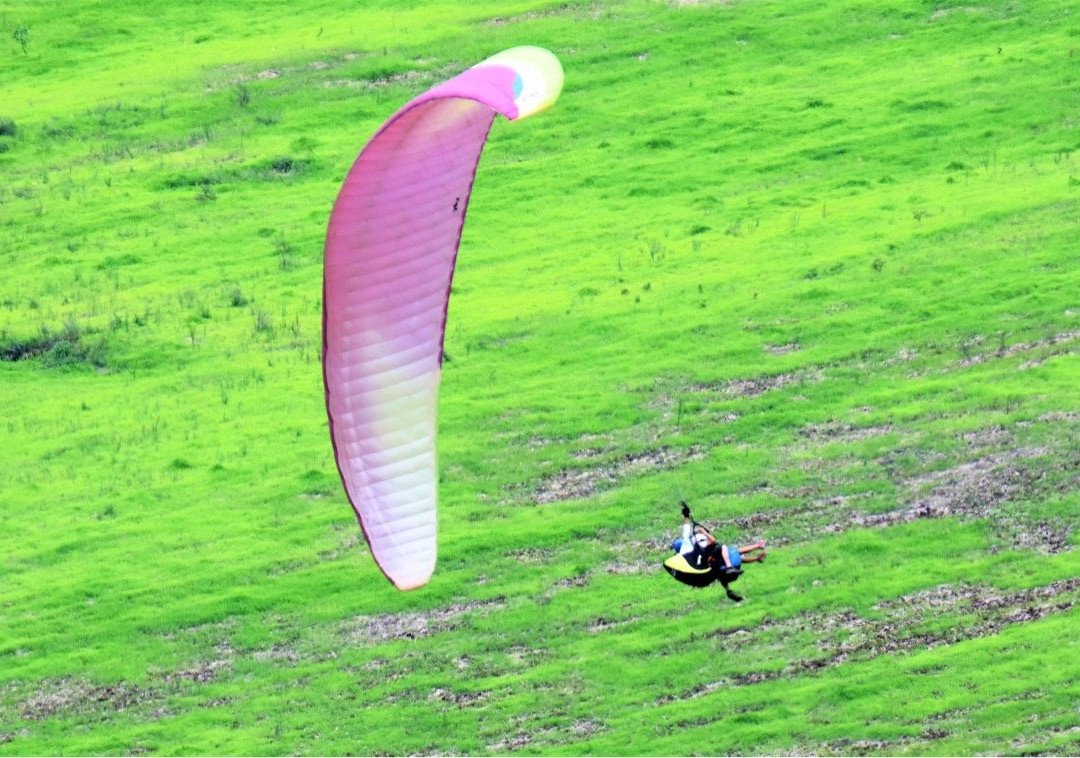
x: 812, y: 267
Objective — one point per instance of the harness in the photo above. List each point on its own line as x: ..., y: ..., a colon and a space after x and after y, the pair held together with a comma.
x: 703, y: 567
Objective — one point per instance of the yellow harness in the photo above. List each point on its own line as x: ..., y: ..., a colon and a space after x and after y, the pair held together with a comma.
x: 679, y: 563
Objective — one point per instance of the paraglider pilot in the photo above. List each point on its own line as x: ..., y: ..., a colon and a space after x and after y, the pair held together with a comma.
x: 701, y: 550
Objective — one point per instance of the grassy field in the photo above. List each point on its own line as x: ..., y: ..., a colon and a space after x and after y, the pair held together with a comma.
x: 812, y: 267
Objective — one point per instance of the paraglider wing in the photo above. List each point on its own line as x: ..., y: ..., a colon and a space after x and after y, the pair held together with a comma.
x: 391, y: 244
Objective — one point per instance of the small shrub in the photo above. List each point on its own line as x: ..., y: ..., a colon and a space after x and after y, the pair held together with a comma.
x: 283, y: 165
x: 263, y: 323
x: 113, y: 262
x: 304, y: 145
x: 7, y: 127
x: 282, y: 245
x: 237, y: 298
x: 22, y: 36
x: 660, y: 143
x: 182, y: 180
x: 657, y: 251
x: 923, y: 105
x: 62, y: 353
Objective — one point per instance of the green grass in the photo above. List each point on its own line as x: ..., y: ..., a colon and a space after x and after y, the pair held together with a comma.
x: 811, y: 267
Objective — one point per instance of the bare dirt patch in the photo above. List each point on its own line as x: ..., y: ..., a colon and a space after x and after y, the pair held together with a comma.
x: 999, y: 471
x: 753, y: 387
x: 531, y: 555
x: 941, y: 13
x: 795, y: 522
x: 201, y: 672
x: 992, y: 485
x: 346, y: 547
x: 1057, y: 344
x: 409, y: 626
x: 1068, y: 416
x: 460, y: 699
x: 583, y: 728
x: 511, y: 744
x: 638, y: 566
x: 71, y: 696
x: 978, y: 489
x: 639, y: 557
x: 603, y: 624
x: 574, y: 581
x: 841, y: 432
x: 994, y: 479
x: 280, y: 653
x: 588, y: 453
x: 558, y: 735
x: 562, y: 10
x: 573, y: 484
x: 912, y: 622
x: 991, y: 436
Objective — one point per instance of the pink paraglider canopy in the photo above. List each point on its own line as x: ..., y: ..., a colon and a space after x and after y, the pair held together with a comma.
x: 391, y: 244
